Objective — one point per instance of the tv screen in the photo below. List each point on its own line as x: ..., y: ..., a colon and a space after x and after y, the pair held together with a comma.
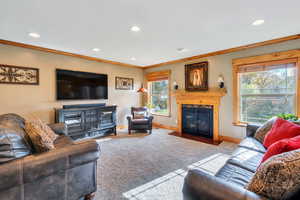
x: 80, y: 85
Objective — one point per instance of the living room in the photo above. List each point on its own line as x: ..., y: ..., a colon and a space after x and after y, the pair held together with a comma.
x: 123, y: 100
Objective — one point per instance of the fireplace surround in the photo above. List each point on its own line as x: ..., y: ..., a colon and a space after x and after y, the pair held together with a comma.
x: 212, y: 98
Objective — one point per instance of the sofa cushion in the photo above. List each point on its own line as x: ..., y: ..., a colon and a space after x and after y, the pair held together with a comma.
x: 13, y: 141
x: 139, y: 114
x: 281, y: 129
x: 41, y: 135
x: 13, y: 121
x: 277, y: 177
x: 140, y: 121
x: 12, y: 145
x: 282, y: 146
x: 246, y: 158
x: 235, y: 174
x: 59, y: 128
x: 252, y: 144
x: 264, y: 129
x: 62, y: 141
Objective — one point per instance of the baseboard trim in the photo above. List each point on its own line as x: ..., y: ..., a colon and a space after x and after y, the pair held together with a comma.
x: 230, y: 139
x: 157, y: 125
x: 121, y: 126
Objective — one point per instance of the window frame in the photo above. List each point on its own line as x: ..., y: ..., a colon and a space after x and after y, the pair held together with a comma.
x: 292, y: 56
x: 159, y: 76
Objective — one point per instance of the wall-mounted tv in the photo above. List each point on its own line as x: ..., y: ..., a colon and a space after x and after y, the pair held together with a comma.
x: 74, y: 85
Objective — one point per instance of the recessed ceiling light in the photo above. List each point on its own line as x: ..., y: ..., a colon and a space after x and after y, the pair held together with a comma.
x: 258, y: 22
x: 96, y: 49
x: 34, y: 35
x: 180, y: 50
x: 135, y: 29
x: 133, y: 58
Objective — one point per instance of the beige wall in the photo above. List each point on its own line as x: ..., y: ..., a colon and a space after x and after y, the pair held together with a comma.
x: 218, y: 65
x: 40, y: 100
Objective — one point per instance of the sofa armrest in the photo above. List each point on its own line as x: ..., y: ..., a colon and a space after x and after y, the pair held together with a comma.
x: 45, y: 164
x: 201, y: 186
x: 59, y: 128
x: 129, y: 118
x: 251, y: 129
x: 150, y: 117
x: 34, y: 167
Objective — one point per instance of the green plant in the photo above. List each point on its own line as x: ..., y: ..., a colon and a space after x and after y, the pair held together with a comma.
x: 289, y: 117
x: 149, y: 106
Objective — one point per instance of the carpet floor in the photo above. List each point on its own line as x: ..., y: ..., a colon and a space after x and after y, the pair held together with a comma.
x: 152, y: 167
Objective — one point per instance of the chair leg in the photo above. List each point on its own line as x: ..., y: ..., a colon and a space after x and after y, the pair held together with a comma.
x: 150, y: 131
x: 89, y: 196
x: 129, y: 131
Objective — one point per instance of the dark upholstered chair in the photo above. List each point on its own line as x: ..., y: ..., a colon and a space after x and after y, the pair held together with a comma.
x: 139, y: 119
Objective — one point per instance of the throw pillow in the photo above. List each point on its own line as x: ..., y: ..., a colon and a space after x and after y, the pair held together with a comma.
x: 282, y: 146
x: 264, y: 129
x: 139, y: 115
x: 278, y: 177
x: 41, y: 135
x: 281, y: 129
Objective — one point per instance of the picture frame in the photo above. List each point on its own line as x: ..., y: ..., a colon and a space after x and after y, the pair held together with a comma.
x: 123, y: 83
x: 196, y: 76
x: 10, y: 74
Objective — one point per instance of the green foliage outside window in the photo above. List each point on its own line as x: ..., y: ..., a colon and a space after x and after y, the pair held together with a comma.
x: 289, y: 117
x: 267, y: 93
x: 159, y: 97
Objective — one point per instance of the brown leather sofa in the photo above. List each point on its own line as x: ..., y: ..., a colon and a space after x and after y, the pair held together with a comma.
x: 229, y: 182
x: 137, y: 123
x: 66, y: 173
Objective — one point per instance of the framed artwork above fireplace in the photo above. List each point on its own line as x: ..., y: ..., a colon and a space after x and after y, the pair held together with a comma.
x: 196, y: 76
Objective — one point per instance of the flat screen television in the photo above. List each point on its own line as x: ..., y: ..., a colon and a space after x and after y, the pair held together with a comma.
x: 74, y: 85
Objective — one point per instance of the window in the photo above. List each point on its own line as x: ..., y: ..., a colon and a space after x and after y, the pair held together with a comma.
x: 159, y: 93
x: 265, y: 90
x: 159, y: 97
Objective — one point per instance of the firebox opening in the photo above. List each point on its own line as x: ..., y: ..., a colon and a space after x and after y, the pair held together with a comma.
x: 197, y: 120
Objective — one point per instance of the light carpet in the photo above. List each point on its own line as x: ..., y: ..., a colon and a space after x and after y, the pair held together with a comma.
x: 152, y: 167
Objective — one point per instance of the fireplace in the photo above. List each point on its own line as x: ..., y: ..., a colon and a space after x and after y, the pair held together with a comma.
x: 197, y: 120
x: 207, y: 103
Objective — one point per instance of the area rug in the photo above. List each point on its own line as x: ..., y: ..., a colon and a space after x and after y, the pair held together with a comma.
x: 152, y: 167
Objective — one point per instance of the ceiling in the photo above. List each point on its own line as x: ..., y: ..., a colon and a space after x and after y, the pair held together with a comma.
x: 200, y: 26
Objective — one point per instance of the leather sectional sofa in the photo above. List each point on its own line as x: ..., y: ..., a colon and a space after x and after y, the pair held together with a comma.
x: 66, y: 173
x: 230, y: 180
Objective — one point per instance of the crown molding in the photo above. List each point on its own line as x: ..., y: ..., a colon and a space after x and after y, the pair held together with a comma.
x: 230, y: 50
x: 38, y: 48
x: 225, y: 51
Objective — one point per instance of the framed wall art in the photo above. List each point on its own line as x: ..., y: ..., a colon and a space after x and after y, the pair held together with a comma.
x: 10, y: 74
x: 124, y: 83
x: 196, y: 76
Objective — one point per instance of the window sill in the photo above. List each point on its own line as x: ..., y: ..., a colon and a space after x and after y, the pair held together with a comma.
x: 161, y: 115
x: 240, y: 124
